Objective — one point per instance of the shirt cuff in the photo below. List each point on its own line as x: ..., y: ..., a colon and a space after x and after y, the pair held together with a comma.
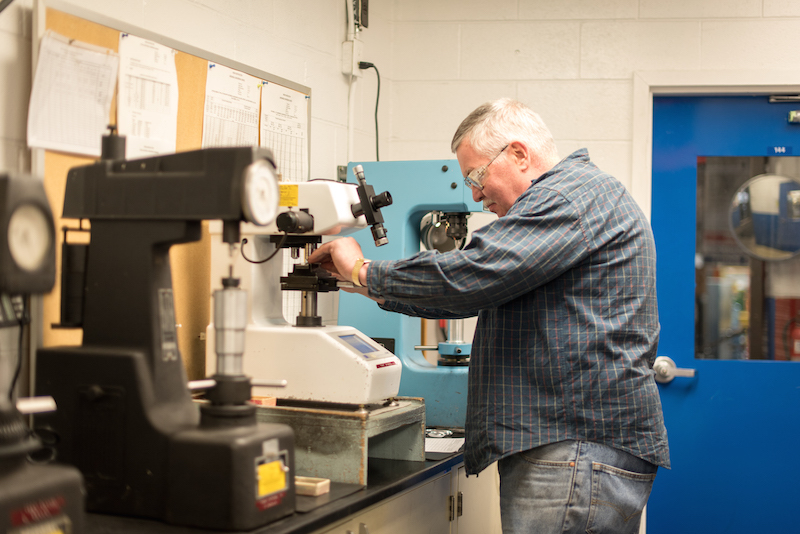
x: 376, y: 277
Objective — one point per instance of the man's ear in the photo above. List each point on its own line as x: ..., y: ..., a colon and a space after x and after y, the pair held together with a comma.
x: 520, y: 155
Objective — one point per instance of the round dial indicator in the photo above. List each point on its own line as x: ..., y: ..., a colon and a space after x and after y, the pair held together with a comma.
x: 29, y: 237
x: 260, y: 193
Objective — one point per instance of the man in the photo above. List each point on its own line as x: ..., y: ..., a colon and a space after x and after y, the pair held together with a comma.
x: 561, y: 390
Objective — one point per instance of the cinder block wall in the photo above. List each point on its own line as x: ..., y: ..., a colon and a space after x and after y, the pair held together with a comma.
x: 300, y: 40
x: 15, y: 85
x: 572, y: 60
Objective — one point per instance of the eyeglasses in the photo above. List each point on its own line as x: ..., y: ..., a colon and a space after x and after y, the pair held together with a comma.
x: 475, y: 178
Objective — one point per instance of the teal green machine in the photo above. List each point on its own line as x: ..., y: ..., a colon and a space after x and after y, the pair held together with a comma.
x: 417, y: 188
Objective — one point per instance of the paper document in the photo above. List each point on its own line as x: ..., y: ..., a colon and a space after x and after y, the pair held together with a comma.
x: 71, y: 95
x: 284, y: 130
x: 147, y: 105
x: 443, y: 444
x: 231, y: 109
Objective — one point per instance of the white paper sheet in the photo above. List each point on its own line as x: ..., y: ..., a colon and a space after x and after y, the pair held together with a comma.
x: 71, y: 95
x: 231, y: 108
x: 147, y: 104
x: 284, y: 130
x: 443, y: 444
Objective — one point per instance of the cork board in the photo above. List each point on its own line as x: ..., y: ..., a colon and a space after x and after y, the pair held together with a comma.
x: 191, y: 262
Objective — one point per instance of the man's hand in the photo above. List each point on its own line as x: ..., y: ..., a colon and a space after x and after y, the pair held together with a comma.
x: 338, y: 257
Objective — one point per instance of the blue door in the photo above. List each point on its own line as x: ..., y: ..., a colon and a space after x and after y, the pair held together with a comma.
x: 730, y: 314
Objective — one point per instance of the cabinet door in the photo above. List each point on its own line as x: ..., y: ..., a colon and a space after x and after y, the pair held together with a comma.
x: 478, y: 499
x: 420, y: 509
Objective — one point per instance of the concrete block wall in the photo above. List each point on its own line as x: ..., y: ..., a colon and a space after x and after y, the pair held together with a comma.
x: 15, y: 85
x: 571, y: 60
x: 299, y: 40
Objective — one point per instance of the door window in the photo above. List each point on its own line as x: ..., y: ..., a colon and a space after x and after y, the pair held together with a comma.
x: 747, y: 262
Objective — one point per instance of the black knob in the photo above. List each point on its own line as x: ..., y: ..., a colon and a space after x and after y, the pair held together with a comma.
x: 295, y: 222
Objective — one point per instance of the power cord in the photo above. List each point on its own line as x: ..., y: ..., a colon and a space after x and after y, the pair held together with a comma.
x: 278, y: 247
x: 365, y: 65
x: 19, y: 303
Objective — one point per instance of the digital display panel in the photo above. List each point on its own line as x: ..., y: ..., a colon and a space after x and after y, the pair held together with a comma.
x: 358, y: 344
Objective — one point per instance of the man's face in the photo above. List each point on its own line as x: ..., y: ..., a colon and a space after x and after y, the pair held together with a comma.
x: 500, y: 181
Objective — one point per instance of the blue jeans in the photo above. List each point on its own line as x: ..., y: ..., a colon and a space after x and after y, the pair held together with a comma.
x: 573, y: 487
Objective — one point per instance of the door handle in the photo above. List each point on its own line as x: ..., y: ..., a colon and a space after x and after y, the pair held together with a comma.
x: 666, y: 370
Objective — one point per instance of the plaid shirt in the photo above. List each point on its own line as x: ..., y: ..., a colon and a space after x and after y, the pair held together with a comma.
x: 564, y: 287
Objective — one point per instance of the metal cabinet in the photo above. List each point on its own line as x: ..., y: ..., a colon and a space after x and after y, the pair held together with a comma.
x: 423, y: 508
x: 449, y: 503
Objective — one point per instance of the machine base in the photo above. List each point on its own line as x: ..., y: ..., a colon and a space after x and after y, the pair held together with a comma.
x: 335, y: 441
x: 41, y: 498
x: 231, y: 478
x: 142, y: 456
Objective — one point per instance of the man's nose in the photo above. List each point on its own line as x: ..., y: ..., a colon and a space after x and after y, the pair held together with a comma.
x: 477, y: 194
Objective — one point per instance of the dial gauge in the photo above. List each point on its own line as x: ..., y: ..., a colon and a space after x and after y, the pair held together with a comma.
x: 260, y: 193
x: 29, y: 237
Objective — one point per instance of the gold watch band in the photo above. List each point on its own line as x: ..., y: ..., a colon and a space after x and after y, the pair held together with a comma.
x: 356, y: 271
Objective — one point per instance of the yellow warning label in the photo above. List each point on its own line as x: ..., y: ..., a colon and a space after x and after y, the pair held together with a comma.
x: 62, y: 525
x: 288, y: 194
x: 271, y: 478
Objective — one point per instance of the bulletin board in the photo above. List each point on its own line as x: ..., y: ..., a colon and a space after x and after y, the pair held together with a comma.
x: 191, y: 262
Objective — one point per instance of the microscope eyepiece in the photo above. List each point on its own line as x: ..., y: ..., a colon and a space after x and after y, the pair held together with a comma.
x: 382, y: 200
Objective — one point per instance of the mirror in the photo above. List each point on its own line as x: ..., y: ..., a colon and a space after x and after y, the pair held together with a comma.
x: 765, y: 217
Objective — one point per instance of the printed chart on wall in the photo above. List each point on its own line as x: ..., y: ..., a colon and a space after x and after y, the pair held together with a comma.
x: 231, y: 108
x: 147, y: 104
x: 284, y: 130
x: 71, y: 95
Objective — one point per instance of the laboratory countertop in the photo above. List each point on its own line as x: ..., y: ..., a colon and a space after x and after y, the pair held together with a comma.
x: 385, y: 479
